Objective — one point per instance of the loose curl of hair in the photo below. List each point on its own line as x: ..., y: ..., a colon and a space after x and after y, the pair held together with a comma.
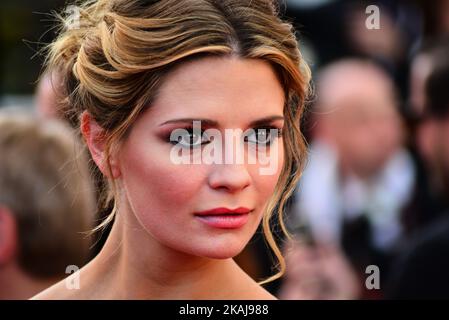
x: 111, y: 57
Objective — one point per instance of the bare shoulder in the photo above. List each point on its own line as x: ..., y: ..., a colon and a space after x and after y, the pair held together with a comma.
x: 62, y: 290
x: 248, y: 289
x: 55, y: 292
x: 262, y: 294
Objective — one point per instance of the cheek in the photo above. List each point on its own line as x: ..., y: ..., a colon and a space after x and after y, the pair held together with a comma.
x: 266, y: 187
x: 155, y: 185
x: 265, y: 183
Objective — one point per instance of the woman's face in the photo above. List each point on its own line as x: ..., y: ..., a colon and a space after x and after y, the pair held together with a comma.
x: 166, y: 196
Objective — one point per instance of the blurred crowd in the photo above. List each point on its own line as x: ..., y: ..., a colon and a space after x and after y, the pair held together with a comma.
x: 375, y: 191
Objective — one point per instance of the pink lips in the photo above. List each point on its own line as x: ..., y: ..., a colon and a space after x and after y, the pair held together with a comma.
x: 224, y: 218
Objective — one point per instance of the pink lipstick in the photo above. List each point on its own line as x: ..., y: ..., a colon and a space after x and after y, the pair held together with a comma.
x: 224, y: 218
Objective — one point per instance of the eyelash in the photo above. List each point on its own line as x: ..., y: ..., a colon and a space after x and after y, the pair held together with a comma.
x: 268, y: 128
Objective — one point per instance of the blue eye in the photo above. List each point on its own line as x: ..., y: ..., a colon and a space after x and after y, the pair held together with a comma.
x: 191, y: 139
x: 263, y: 136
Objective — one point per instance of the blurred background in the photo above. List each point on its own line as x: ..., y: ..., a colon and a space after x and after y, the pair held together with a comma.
x: 370, y: 216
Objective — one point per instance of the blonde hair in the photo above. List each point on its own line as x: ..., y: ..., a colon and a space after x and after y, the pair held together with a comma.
x: 49, y: 194
x: 115, y: 59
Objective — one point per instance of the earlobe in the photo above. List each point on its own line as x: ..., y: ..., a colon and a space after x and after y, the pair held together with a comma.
x: 8, y: 236
x: 95, y: 138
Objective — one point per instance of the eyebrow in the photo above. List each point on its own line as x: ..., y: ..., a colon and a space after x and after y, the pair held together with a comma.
x: 213, y: 123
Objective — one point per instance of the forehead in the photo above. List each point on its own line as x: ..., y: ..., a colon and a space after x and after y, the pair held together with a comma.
x: 222, y: 88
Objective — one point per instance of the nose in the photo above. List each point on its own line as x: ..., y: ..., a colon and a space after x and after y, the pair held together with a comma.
x: 229, y: 177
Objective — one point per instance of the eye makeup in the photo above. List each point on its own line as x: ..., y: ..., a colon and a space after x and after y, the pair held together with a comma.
x: 259, y: 136
x: 192, y: 132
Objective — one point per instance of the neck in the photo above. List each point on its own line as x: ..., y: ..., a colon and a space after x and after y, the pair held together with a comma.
x: 134, y: 265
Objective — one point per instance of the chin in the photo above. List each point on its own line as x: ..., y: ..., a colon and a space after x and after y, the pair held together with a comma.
x: 221, y: 251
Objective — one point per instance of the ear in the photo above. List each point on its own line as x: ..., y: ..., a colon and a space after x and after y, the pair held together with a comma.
x: 8, y: 236
x: 95, y: 137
